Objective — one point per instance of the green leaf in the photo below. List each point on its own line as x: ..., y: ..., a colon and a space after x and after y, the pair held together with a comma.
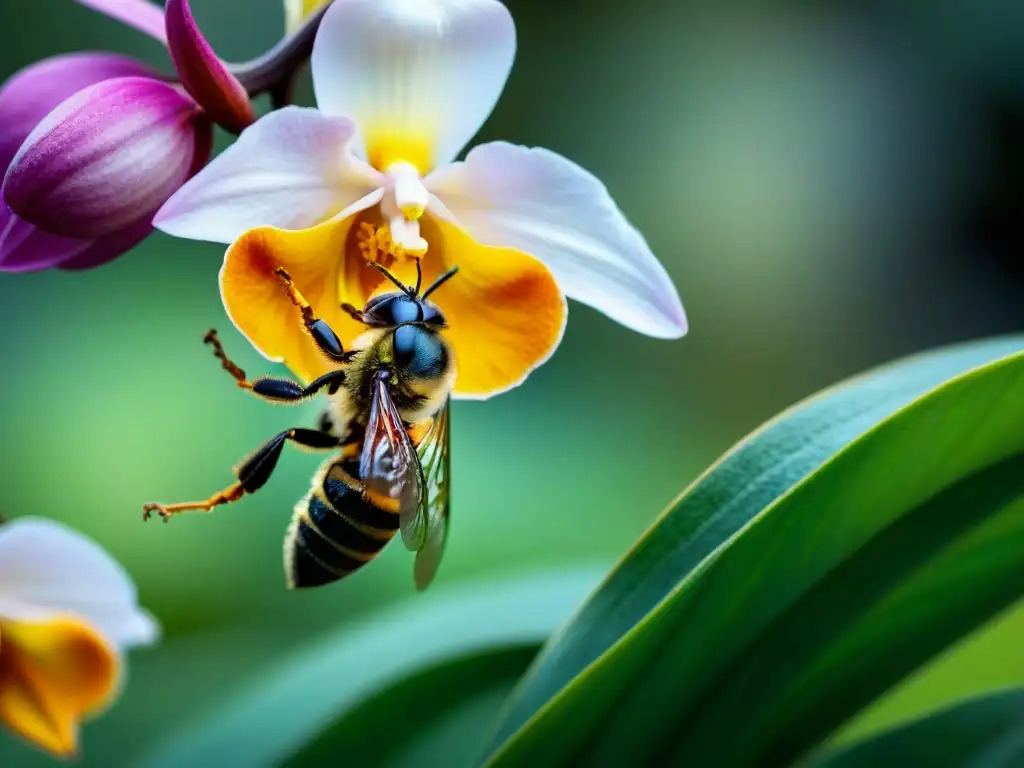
x: 817, y: 563
x: 482, y: 629
x: 441, y: 715
x: 986, y: 732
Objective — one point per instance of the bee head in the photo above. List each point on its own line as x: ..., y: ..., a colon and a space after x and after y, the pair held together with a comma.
x: 407, y: 305
x: 393, y: 309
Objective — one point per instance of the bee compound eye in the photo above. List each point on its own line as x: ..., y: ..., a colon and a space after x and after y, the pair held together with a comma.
x: 432, y: 315
x: 374, y: 304
x: 393, y: 309
x: 379, y: 311
x: 418, y: 352
x: 405, y: 310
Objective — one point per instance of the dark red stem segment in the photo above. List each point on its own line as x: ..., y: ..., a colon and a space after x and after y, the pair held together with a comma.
x: 275, y: 71
x: 203, y: 75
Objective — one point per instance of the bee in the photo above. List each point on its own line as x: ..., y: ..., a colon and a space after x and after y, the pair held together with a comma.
x: 387, y: 425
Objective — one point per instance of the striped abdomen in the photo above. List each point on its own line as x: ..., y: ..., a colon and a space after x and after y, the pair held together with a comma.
x: 334, y: 531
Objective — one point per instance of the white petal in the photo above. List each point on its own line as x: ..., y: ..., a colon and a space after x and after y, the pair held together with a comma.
x: 540, y: 203
x: 291, y: 169
x: 418, y: 76
x: 47, y: 568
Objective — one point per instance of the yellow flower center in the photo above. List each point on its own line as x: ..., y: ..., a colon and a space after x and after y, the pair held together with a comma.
x: 372, y: 239
x: 376, y: 243
x: 504, y: 310
x: 387, y: 145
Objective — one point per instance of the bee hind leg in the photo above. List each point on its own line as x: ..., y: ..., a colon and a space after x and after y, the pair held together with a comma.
x: 252, y: 473
x: 166, y: 511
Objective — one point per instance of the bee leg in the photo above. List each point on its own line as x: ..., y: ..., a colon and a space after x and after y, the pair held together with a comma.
x: 252, y: 473
x: 277, y: 390
x: 353, y: 312
x: 326, y: 339
x: 226, y: 363
x: 285, y: 391
x: 232, y: 493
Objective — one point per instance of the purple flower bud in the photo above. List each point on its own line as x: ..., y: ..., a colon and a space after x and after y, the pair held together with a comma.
x: 110, y: 247
x: 202, y: 74
x: 33, y: 92
x: 26, y: 248
x: 26, y: 99
x: 107, y: 156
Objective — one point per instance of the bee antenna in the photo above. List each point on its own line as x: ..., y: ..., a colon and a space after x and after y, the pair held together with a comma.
x: 419, y: 277
x: 439, y: 282
x: 404, y: 289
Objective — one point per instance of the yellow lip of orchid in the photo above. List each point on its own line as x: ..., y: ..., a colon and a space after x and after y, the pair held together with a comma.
x: 402, y: 86
x: 53, y: 673
x: 66, y: 613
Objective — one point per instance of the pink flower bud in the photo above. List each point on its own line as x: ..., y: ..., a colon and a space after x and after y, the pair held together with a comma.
x: 26, y: 248
x: 202, y: 74
x: 33, y: 92
x: 26, y: 99
x: 107, y: 156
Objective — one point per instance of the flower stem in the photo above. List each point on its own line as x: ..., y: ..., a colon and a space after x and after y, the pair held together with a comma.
x: 275, y: 71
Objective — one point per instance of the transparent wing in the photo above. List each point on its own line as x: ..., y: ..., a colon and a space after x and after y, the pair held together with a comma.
x: 435, y: 463
x: 413, y: 525
x: 428, y: 438
x: 388, y: 466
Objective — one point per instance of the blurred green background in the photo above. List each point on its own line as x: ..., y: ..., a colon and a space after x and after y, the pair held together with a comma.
x: 831, y: 185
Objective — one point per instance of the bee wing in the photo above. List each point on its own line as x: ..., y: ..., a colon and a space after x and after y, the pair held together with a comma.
x: 388, y: 466
x: 413, y: 525
x: 435, y: 463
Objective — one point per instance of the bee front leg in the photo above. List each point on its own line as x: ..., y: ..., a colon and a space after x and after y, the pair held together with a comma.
x: 324, y: 337
x: 252, y: 473
x: 353, y: 312
x: 226, y: 362
x: 275, y: 390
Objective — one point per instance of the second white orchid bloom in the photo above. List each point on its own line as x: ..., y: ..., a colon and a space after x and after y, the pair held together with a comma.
x: 67, y: 614
x: 402, y: 86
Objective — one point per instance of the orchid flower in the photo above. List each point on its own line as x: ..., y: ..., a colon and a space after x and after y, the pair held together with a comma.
x: 401, y: 87
x: 94, y: 143
x: 67, y: 614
